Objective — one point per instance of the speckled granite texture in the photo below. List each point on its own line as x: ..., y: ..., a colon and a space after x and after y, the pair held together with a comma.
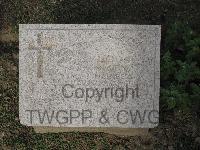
x: 89, y: 75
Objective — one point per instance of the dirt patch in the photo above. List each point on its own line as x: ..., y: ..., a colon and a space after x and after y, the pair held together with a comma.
x: 8, y: 35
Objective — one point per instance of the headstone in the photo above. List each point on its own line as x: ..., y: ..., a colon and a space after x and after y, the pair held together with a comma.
x: 94, y: 75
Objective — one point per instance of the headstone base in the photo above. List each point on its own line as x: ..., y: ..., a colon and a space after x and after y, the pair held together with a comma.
x: 114, y: 131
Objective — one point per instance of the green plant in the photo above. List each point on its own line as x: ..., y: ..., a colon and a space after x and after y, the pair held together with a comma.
x: 180, y: 71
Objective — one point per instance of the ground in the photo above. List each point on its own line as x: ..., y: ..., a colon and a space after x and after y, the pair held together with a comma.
x: 177, y: 129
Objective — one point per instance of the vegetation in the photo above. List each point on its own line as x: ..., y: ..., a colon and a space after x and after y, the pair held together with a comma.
x: 180, y: 72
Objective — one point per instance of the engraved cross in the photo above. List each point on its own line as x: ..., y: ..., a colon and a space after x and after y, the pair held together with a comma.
x: 39, y: 48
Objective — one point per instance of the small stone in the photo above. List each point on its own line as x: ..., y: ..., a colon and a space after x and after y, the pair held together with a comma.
x: 170, y: 147
x: 2, y: 134
x: 197, y: 140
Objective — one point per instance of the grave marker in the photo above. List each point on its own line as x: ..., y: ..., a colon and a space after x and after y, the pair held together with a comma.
x: 84, y: 76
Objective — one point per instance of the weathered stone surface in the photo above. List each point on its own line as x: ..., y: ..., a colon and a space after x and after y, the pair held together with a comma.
x: 89, y: 75
x: 116, y: 131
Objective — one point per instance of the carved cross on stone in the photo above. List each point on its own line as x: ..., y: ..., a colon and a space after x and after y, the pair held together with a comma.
x: 39, y: 48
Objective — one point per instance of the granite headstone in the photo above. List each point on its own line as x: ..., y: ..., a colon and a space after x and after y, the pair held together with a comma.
x: 89, y: 75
